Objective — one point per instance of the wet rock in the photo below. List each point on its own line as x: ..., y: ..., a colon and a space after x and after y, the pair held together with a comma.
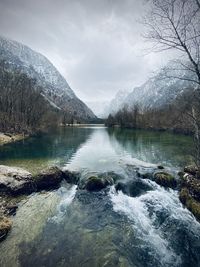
x: 165, y: 179
x: 192, y: 204
x: 181, y: 174
x: 146, y: 175
x: 184, y: 195
x: 49, y: 178
x: 192, y: 184
x: 160, y: 167
x: 193, y: 170
x: 133, y: 188
x: 71, y: 177
x: 14, y: 180
x: 96, y: 183
x: 5, y: 227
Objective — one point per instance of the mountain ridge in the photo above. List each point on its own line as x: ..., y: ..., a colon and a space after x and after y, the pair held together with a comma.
x: 56, y: 90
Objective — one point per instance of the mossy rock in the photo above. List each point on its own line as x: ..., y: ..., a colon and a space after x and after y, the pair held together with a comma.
x: 184, y: 195
x: 194, y: 207
x: 165, y: 179
x: 192, y: 204
x: 192, y: 184
x: 5, y: 227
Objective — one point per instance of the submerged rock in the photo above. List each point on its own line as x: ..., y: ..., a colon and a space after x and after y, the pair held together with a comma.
x: 96, y: 183
x: 5, y: 227
x: 165, y: 179
x: 48, y: 179
x: 133, y: 188
x: 14, y: 180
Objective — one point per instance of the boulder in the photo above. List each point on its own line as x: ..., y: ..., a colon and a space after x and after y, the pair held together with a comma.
x: 15, y: 181
x: 165, y: 179
x: 5, y: 227
x: 192, y: 184
x: 133, y: 188
x: 96, y: 183
x: 193, y: 170
x: 192, y: 204
x: 49, y: 178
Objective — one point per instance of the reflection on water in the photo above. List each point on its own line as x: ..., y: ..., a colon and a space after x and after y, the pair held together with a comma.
x: 55, y: 148
x: 70, y: 227
x: 97, y: 149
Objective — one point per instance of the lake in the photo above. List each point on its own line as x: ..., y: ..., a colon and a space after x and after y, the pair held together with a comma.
x: 71, y: 227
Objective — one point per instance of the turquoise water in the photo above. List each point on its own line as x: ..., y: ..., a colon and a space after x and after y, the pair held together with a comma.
x: 69, y: 227
x: 98, y: 148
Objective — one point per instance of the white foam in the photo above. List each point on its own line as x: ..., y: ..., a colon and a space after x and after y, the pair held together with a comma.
x: 145, y: 227
x: 68, y: 196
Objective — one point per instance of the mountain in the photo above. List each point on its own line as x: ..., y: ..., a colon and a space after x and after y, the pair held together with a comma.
x: 99, y: 108
x: 54, y: 88
x: 117, y: 102
x: 155, y: 93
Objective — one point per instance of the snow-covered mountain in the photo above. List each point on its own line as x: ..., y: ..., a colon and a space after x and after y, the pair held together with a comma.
x: 157, y: 92
x: 116, y: 103
x: 100, y: 108
x: 55, y: 89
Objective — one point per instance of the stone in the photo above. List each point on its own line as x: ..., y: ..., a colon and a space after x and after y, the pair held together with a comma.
x: 133, y: 188
x: 191, y: 169
x: 192, y: 204
x: 165, y: 179
x: 15, y: 181
x: 192, y: 184
x: 49, y: 178
x: 94, y: 183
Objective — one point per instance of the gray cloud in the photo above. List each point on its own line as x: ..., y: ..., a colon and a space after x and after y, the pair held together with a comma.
x: 96, y: 45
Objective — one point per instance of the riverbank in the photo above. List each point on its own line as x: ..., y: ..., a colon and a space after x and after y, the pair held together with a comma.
x: 11, y: 138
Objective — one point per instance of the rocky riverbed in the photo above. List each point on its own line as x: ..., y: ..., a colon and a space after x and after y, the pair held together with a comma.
x: 16, y: 183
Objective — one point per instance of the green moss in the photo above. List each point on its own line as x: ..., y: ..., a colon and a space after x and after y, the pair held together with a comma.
x: 194, y: 207
x: 190, y: 202
x: 165, y: 179
x: 184, y: 195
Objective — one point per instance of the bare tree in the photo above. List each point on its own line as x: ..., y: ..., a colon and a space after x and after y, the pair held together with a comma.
x: 175, y: 24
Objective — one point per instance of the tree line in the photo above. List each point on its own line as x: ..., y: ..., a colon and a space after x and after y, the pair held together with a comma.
x: 22, y: 108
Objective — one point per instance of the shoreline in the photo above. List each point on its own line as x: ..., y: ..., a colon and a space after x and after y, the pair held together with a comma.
x: 11, y: 138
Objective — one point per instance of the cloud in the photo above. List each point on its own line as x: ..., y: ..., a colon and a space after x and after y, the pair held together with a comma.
x: 96, y: 45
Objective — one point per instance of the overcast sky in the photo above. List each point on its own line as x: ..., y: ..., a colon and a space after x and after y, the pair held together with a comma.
x: 96, y: 44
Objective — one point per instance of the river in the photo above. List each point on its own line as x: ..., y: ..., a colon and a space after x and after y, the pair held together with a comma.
x: 71, y: 227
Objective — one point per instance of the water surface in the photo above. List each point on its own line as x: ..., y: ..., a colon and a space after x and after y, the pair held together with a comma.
x: 71, y: 227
